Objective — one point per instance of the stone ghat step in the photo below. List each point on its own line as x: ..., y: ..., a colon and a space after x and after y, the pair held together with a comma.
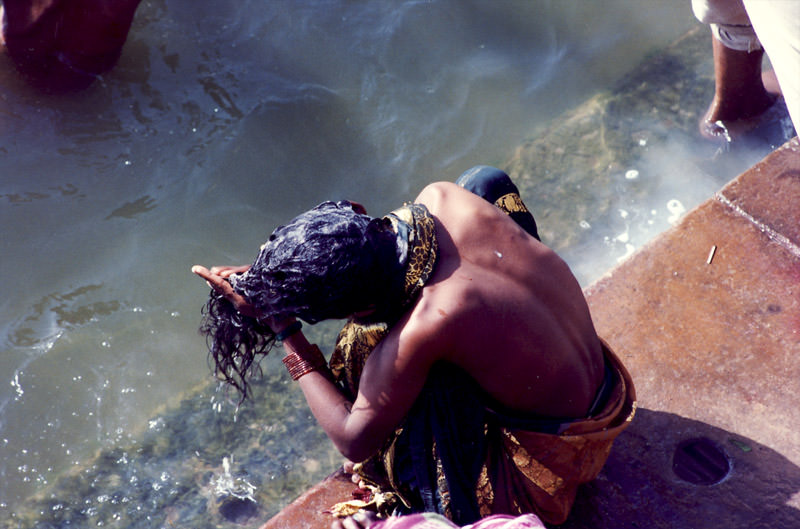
x: 707, y: 319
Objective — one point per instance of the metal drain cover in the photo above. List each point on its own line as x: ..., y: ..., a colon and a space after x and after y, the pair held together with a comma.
x: 700, y: 461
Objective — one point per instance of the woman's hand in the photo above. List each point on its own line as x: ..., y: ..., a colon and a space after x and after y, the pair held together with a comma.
x: 216, y: 279
x: 227, y: 271
x: 348, y: 467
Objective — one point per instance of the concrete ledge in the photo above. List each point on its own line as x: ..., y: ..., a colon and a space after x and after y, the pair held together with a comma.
x: 309, y: 510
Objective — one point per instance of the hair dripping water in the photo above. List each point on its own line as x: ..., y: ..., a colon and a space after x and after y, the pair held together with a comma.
x: 234, y: 342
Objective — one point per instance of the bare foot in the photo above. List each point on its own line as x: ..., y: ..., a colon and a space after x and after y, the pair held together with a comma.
x: 352, y: 469
x: 743, y: 95
x: 728, y: 122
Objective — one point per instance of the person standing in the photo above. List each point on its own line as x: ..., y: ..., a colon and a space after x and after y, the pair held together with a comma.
x: 65, y: 45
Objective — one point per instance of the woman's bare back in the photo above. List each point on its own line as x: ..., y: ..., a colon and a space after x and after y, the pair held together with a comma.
x: 516, y: 318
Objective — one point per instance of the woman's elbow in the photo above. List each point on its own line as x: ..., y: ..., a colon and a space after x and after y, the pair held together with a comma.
x: 358, y: 448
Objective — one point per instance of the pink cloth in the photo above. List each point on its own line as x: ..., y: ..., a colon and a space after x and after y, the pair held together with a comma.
x: 437, y: 521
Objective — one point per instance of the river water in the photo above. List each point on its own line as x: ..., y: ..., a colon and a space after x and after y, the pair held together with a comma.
x: 222, y: 119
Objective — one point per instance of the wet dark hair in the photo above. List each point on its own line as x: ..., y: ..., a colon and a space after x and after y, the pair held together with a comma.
x: 234, y: 342
x: 327, y: 263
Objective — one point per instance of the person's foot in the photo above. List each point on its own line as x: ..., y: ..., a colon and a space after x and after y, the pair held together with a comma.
x: 732, y: 118
x: 743, y: 94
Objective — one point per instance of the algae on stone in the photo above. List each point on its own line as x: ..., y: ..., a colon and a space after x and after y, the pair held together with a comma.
x: 600, y: 139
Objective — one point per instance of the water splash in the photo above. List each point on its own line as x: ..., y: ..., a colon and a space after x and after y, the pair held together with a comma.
x: 226, y: 485
x: 15, y: 383
x: 721, y: 130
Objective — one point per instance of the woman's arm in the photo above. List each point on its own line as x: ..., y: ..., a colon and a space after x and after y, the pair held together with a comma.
x: 392, y: 379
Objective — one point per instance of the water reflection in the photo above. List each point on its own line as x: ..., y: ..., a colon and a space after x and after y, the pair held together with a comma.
x: 222, y: 120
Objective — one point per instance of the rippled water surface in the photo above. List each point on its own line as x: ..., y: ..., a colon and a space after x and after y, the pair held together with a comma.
x: 222, y: 119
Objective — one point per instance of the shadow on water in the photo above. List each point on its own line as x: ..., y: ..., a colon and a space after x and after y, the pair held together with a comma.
x: 639, y: 486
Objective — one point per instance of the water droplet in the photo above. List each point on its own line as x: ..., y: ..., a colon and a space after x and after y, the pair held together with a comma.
x: 676, y: 209
x: 16, y: 385
x: 629, y: 249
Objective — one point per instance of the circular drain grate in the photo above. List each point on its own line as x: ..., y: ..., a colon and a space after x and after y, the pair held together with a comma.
x: 700, y: 461
x: 238, y: 510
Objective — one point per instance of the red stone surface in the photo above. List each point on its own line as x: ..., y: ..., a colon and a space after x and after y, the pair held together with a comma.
x: 309, y: 510
x: 714, y: 351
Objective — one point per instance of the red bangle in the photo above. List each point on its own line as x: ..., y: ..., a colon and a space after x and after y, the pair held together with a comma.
x: 310, y: 360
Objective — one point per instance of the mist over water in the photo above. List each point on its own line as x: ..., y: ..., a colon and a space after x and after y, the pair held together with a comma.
x: 225, y: 118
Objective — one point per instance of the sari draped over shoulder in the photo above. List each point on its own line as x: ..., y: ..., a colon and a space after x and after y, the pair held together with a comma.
x: 460, y: 454
x: 414, y: 225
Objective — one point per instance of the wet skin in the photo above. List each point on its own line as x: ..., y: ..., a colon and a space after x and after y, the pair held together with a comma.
x: 742, y: 92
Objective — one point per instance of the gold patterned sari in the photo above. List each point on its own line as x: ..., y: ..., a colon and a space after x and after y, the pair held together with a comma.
x: 357, y: 340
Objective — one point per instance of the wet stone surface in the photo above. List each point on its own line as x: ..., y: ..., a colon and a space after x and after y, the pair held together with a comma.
x: 606, y: 137
x: 196, y: 467
x: 620, y: 160
x: 713, y: 353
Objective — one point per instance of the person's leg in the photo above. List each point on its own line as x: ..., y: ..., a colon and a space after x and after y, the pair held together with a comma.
x: 495, y: 186
x: 739, y: 90
x: 65, y: 44
x: 19, y: 16
x: 777, y: 24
